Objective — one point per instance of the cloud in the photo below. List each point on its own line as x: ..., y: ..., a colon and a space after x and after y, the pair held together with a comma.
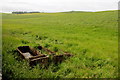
x: 58, y: 5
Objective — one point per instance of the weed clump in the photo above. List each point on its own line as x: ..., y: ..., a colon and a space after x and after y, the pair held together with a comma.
x: 25, y: 42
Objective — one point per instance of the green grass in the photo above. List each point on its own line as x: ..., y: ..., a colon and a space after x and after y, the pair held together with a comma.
x: 92, y: 37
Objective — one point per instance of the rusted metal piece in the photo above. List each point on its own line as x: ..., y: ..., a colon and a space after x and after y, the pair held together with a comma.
x: 41, y: 60
x: 34, y: 56
x: 49, y: 51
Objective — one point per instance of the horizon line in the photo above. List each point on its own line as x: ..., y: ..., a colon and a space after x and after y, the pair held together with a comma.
x: 60, y: 11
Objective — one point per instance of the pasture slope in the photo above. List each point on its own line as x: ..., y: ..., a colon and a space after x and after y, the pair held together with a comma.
x: 91, y: 36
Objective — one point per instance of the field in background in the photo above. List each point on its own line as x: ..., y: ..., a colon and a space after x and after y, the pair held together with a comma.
x: 91, y: 36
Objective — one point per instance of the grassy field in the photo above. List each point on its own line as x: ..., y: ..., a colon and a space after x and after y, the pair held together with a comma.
x: 92, y: 37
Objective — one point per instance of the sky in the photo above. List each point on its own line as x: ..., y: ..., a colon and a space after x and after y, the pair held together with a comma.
x: 58, y: 5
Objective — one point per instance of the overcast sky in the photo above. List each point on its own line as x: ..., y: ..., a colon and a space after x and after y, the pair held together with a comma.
x: 58, y: 5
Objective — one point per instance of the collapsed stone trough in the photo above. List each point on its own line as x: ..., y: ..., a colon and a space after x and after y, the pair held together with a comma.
x: 41, y: 55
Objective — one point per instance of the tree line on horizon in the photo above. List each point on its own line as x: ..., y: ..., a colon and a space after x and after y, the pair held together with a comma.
x: 23, y: 12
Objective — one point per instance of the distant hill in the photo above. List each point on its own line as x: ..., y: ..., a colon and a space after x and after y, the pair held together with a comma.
x: 75, y: 12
